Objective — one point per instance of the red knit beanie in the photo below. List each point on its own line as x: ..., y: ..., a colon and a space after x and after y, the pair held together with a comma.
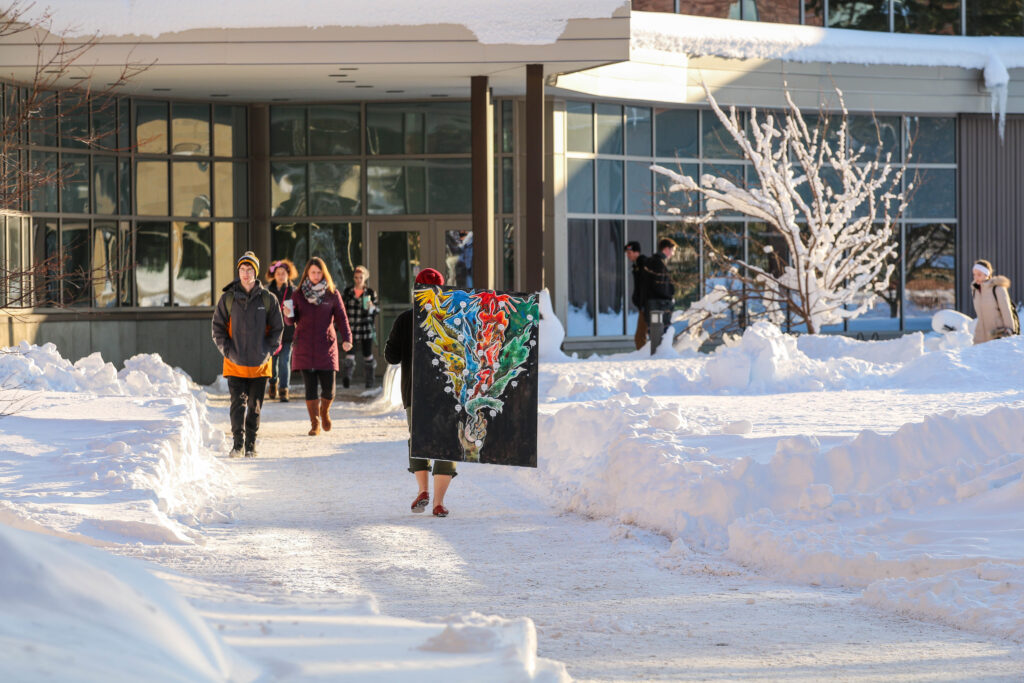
x: 429, y: 276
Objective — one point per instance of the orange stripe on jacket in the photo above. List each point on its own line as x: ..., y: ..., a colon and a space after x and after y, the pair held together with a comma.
x: 248, y: 371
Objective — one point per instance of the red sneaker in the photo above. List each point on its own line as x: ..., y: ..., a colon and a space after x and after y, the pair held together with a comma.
x: 440, y: 511
x: 421, y: 502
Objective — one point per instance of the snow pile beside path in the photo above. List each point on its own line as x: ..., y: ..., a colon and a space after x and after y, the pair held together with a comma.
x: 825, y: 347
x: 119, y: 457
x: 76, y: 613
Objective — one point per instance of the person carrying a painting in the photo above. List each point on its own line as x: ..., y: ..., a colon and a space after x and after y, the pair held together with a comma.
x: 361, y: 307
x: 398, y: 351
x: 319, y: 318
x: 281, y: 277
x: 247, y: 328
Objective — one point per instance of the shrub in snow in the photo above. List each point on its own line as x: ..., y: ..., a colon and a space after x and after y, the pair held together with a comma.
x: 830, y: 247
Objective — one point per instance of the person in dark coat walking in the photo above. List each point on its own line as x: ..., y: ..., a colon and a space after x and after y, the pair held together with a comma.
x: 639, y: 296
x: 247, y: 328
x: 320, y: 319
x: 361, y: 307
x: 281, y: 277
x: 398, y: 350
x: 659, y: 291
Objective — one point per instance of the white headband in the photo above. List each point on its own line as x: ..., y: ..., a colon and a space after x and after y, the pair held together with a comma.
x: 982, y: 269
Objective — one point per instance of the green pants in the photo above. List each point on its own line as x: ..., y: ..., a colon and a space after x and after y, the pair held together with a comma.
x: 421, y: 464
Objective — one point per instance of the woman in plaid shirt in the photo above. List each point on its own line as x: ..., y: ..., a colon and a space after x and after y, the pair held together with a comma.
x: 361, y: 306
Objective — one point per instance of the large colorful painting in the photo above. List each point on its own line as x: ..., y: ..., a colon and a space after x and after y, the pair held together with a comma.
x: 474, y: 376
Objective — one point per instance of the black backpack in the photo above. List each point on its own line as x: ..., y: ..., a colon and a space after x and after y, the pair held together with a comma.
x: 1013, y: 315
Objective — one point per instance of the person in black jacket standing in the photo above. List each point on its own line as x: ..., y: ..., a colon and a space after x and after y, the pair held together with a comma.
x: 398, y: 350
x: 659, y: 291
x: 639, y: 294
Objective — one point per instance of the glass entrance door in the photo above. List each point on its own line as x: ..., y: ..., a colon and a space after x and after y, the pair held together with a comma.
x: 397, y: 251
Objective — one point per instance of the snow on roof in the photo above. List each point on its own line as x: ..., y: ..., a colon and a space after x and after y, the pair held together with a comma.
x: 699, y: 36
x: 522, y: 22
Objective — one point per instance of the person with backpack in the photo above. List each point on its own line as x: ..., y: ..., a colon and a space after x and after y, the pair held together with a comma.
x: 281, y: 276
x: 990, y: 293
x: 659, y: 291
x: 247, y: 328
x: 320, y: 319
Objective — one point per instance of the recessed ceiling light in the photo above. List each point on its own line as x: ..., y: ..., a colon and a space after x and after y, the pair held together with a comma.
x: 116, y: 85
x: 78, y: 78
x: 348, y: 68
x: 364, y: 86
x: 441, y: 95
x: 218, y: 94
x: 350, y: 81
x: 280, y: 99
x: 394, y: 91
x: 161, y: 90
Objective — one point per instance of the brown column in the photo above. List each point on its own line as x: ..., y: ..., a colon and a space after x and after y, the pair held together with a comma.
x: 483, y: 183
x: 533, y: 256
x: 259, y: 184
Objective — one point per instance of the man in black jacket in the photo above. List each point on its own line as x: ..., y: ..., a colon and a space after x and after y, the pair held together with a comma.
x: 398, y: 350
x: 659, y: 291
x: 639, y: 295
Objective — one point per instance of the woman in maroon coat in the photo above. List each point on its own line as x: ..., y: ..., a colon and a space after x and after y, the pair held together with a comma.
x: 319, y: 318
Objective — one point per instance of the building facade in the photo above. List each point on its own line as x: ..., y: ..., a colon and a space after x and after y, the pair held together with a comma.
x: 506, y: 165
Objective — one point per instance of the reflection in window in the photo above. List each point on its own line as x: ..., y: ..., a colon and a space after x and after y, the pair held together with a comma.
x: 931, y: 140
x: 75, y: 181
x: 333, y: 188
x: 507, y: 139
x: 995, y: 18
x: 151, y: 188
x: 933, y: 194
x: 609, y: 186
x: 74, y: 121
x: 925, y: 16
x: 126, y: 265
x: 45, y: 194
x: 74, y: 237
x: 878, y: 135
x: 931, y: 273
x: 418, y: 128
x: 508, y: 188
x: 639, y: 197
x: 449, y: 186
x: 508, y: 242
x: 288, y: 188
x: 716, y: 142
x: 864, y: 15
x: 609, y: 129
x: 151, y: 127
x: 229, y: 131
x: 610, y: 281
x: 581, y: 284
x: 340, y: 245
x: 458, y: 257
x: 638, y: 131
x: 579, y: 123
x: 152, y: 261
x: 231, y: 189
x: 399, y: 257
x: 676, y: 132
x: 191, y: 188
x: 224, y: 254
x: 334, y: 130
x: 192, y: 259
x: 288, y: 131
x: 105, y: 263
x: 395, y: 188
x: 104, y: 184
x: 190, y: 129
x: 580, y: 185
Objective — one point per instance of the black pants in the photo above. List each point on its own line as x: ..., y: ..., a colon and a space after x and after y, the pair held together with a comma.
x: 324, y: 378
x: 246, y: 404
x: 659, y: 320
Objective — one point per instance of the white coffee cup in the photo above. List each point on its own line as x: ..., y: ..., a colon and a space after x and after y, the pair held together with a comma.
x: 289, y: 308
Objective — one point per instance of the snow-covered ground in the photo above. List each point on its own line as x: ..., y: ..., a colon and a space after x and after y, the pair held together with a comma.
x: 783, y: 508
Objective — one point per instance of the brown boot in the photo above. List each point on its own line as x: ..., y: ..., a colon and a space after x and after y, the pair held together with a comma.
x: 284, y: 396
x: 272, y: 391
x: 325, y: 413
x: 314, y: 417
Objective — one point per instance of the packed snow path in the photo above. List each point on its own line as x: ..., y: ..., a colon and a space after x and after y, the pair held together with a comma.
x: 327, y: 518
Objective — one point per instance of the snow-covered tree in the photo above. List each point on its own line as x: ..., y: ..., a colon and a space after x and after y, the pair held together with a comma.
x: 830, y: 214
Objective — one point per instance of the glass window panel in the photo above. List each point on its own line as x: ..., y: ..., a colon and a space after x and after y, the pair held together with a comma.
x: 885, y: 314
x: 340, y: 245
x: 105, y: 263
x: 684, y: 267
x: 231, y: 189
x: 152, y: 263
x: 448, y: 127
x: 638, y: 131
x: 287, y: 240
x: 43, y: 130
x: 124, y: 140
x: 192, y: 261
x: 4, y: 264
x: 394, y: 129
x: 190, y: 129
x: 151, y: 127
x: 686, y: 202
x: 609, y: 186
x: 396, y: 188
x: 508, y: 242
x: 191, y: 188
x: 398, y: 262
x: 581, y: 284
x: 288, y: 188
x: 639, y: 193
x: 734, y: 173
x: 46, y: 234
x: 74, y: 240
x: 449, y: 186
x: 702, y: 8
x: 864, y: 15
x: 814, y: 12
x: 774, y: 11
x: 878, y: 135
x: 229, y: 131
x: 716, y: 142
x: 507, y: 127
x: 288, y: 131
x: 334, y: 130
x: 581, y: 185
x: 676, y: 132
x: 151, y: 188
x: 74, y: 121
x: 124, y: 186
x: 224, y: 254
x: 995, y: 18
x: 126, y: 265
x: 611, y: 286
x: 458, y: 258
x: 931, y: 273
x: 931, y: 140
x: 45, y: 194
x: 579, y: 123
x: 104, y: 184
x: 508, y: 186
x: 609, y: 129
x: 933, y: 194
x: 75, y: 180
x: 727, y: 240
x: 334, y: 188
x: 927, y: 16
